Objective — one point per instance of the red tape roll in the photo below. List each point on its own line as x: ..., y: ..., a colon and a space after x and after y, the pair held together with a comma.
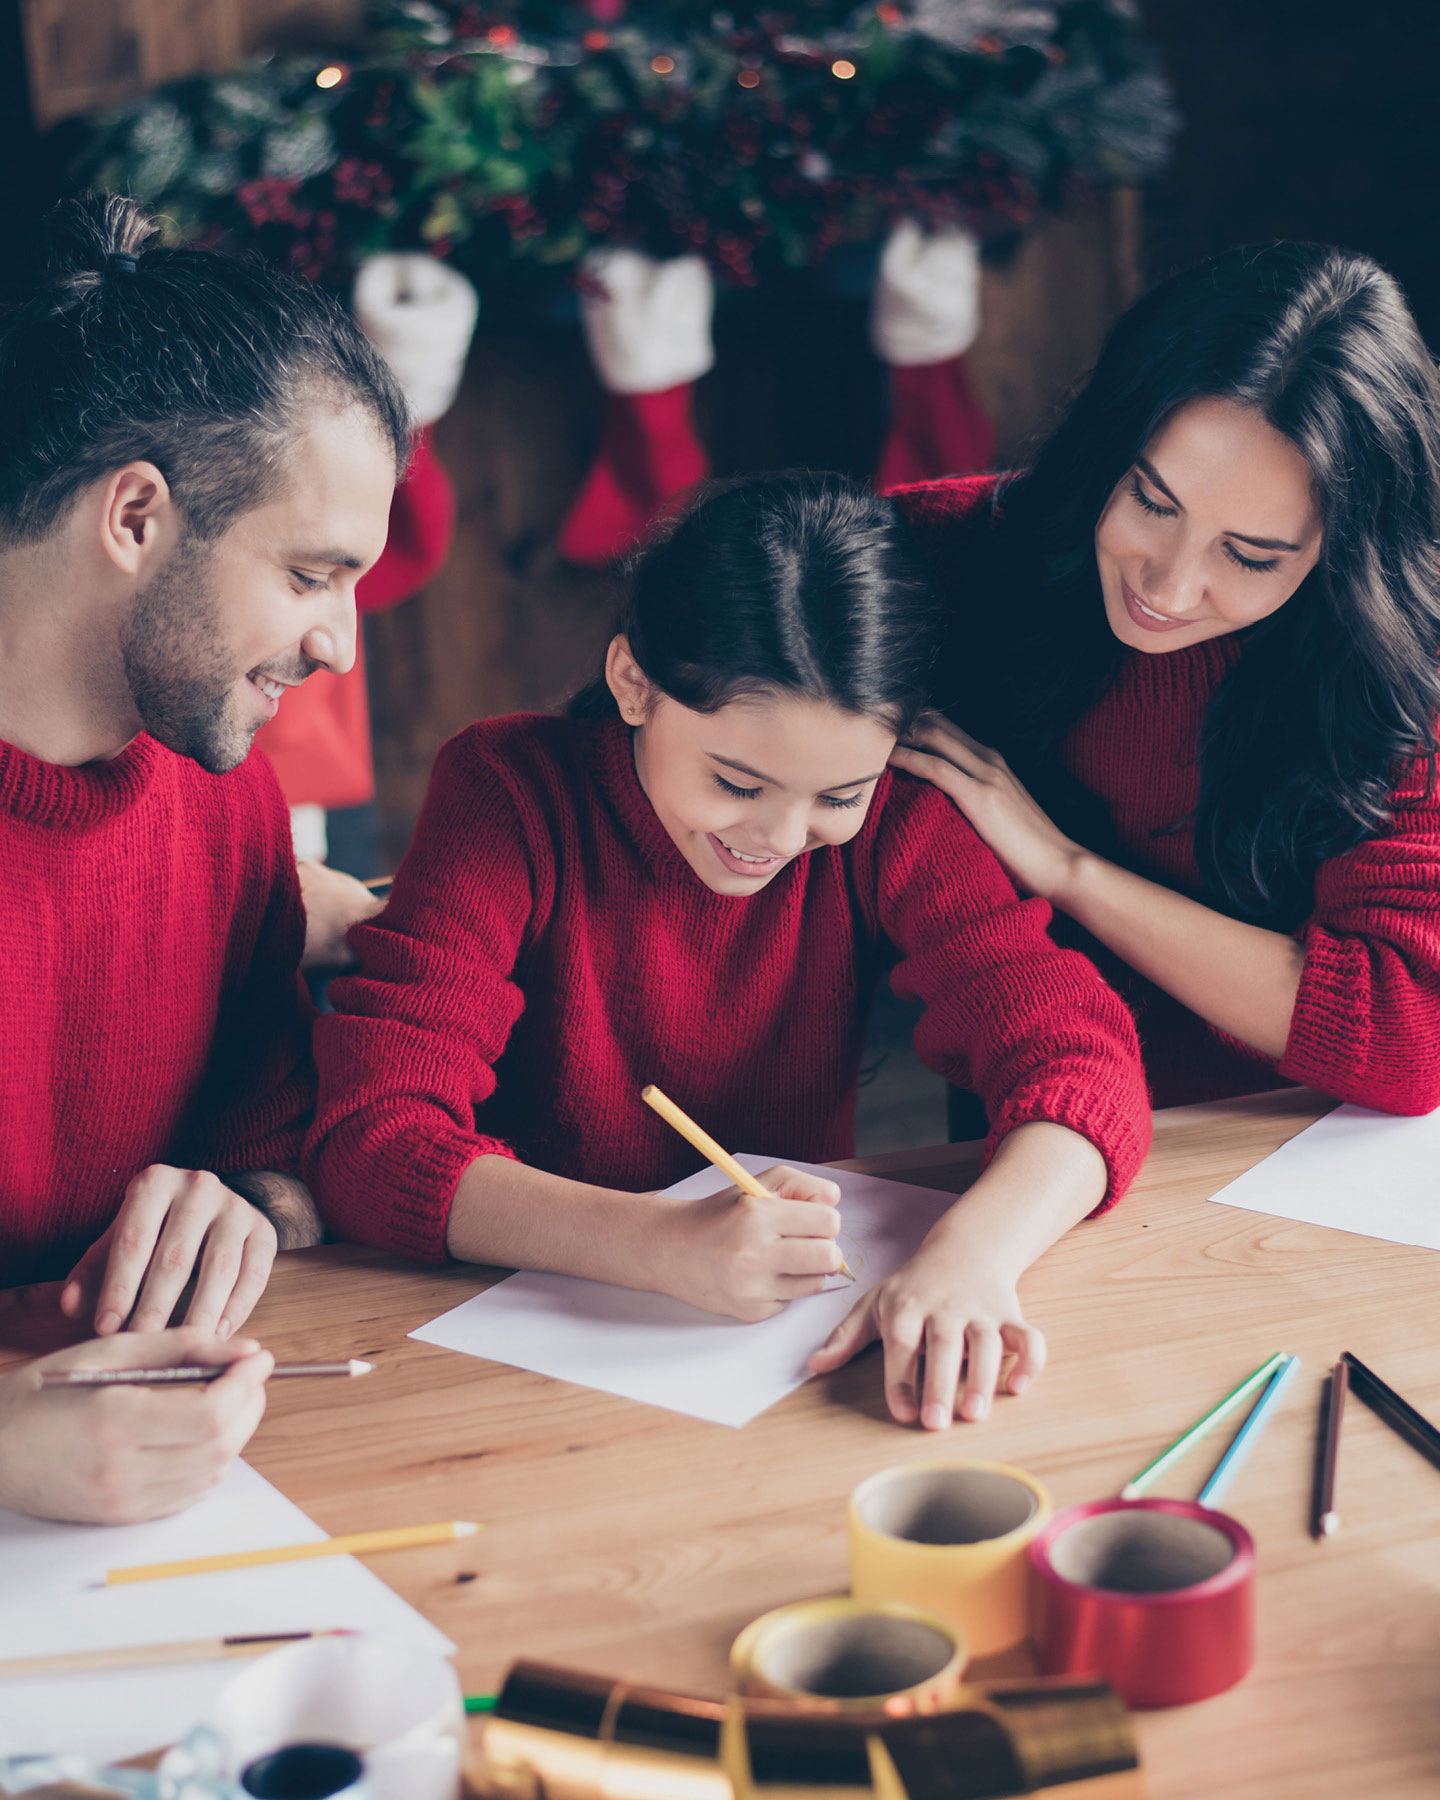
x: 1156, y: 1596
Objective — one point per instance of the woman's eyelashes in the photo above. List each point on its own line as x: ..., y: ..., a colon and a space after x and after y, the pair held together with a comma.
x: 1255, y: 566
x: 744, y: 793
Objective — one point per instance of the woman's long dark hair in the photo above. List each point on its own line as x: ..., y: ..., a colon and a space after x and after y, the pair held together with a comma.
x: 795, y: 583
x: 1338, y: 685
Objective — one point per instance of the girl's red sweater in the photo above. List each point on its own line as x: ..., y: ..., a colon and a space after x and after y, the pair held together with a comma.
x: 547, y: 950
x: 150, y: 935
x: 1367, y: 1020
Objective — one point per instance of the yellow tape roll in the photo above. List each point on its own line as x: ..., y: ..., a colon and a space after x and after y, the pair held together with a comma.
x: 848, y: 1655
x: 951, y: 1536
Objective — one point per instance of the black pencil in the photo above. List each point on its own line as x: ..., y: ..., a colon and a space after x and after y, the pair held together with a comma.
x: 1324, y: 1520
x: 1397, y: 1413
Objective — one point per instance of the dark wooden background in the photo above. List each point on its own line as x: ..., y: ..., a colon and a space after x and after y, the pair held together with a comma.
x: 1306, y: 118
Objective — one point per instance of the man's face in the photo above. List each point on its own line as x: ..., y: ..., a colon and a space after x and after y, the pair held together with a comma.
x: 212, y: 642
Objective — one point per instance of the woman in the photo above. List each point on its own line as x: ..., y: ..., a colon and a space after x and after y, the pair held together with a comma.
x: 1203, y: 636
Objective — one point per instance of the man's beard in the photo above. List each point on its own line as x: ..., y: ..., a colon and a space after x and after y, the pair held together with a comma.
x: 173, y: 648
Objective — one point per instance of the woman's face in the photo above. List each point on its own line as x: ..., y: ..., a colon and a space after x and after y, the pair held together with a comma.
x: 745, y: 790
x: 1211, y: 530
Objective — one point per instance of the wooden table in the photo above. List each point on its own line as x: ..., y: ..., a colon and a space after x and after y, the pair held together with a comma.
x: 627, y: 1540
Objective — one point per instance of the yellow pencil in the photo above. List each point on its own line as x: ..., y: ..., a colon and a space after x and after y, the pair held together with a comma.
x: 359, y: 1543
x: 711, y: 1151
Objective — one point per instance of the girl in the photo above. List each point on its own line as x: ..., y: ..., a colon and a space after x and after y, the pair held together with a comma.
x: 1204, y: 633
x: 696, y: 880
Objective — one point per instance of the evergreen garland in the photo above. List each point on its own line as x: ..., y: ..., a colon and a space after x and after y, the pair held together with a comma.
x: 523, y: 132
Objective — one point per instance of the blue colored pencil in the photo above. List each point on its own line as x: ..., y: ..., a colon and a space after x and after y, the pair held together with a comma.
x: 1244, y: 1439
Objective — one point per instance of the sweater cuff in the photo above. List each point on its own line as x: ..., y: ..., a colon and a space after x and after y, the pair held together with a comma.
x: 1118, y: 1125
x: 412, y: 1220
x: 1327, y: 1047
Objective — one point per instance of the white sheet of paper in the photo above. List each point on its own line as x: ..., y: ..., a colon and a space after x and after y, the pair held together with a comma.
x: 52, y: 1599
x: 661, y: 1351
x: 1353, y: 1170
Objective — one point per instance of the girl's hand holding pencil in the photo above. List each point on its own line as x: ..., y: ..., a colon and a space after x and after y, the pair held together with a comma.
x: 749, y: 1256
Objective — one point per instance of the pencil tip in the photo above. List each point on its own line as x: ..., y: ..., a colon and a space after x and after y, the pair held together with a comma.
x: 465, y: 1528
x: 358, y: 1367
x: 1330, y: 1524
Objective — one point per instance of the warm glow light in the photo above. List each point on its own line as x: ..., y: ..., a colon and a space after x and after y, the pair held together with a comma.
x: 331, y: 77
x: 663, y: 65
x: 501, y: 34
x: 595, y: 40
x: 748, y: 78
x: 842, y: 70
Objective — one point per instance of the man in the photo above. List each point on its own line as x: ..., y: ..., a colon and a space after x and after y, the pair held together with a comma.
x: 196, y: 468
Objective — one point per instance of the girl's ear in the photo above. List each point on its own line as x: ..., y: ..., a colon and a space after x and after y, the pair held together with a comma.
x: 627, y: 681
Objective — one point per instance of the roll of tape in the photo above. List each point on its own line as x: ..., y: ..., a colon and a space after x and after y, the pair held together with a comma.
x: 1155, y: 1595
x: 950, y: 1536
x: 852, y: 1655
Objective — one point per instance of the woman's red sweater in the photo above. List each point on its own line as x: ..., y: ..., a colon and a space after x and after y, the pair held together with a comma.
x: 547, y: 950
x: 150, y: 935
x: 1367, y: 1019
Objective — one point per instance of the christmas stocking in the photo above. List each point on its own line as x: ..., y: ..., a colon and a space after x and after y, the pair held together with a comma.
x: 647, y: 326
x: 420, y: 315
x: 925, y: 315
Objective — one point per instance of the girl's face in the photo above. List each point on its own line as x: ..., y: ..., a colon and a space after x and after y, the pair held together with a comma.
x: 745, y: 790
x: 1213, y: 529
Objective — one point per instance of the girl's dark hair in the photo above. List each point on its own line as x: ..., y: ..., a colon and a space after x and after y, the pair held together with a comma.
x: 201, y: 364
x: 1301, y: 742
x: 796, y: 582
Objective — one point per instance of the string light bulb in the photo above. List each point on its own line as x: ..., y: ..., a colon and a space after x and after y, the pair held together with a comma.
x: 842, y: 70
x: 329, y: 77
x: 663, y: 65
x: 749, y: 78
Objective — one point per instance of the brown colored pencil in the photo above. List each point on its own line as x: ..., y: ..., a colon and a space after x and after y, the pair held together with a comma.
x: 149, y: 1656
x: 1324, y: 1520
x: 1396, y: 1411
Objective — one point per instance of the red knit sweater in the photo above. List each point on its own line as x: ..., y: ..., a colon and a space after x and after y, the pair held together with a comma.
x: 547, y: 950
x: 150, y: 937
x: 1367, y: 1020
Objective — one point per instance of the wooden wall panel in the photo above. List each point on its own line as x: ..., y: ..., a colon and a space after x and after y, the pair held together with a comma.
x: 82, y: 54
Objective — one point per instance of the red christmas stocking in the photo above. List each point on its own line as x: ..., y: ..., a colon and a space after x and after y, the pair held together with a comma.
x: 925, y: 316
x: 647, y: 324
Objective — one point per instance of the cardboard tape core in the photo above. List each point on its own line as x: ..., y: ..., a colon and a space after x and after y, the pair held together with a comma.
x: 1140, y: 1552
x: 946, y: 1506
x: 850, y: 1658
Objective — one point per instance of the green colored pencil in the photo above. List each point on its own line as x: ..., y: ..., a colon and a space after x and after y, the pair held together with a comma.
x: 1167, y: 1459
x: 480, y: 1703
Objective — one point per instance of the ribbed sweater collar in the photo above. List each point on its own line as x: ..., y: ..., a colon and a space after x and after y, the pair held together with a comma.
x: 42, y: 793
x: 1192, y: 673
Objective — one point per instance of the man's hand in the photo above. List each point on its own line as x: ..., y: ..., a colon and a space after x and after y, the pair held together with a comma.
x: 333, y: 903
x: 172, y: 1224
x: 117, y: 1455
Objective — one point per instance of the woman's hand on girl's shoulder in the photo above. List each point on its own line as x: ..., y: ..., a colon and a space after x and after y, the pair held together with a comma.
x: 1037, y: 855
x: 951, y: 1316
x: 747, y: 1257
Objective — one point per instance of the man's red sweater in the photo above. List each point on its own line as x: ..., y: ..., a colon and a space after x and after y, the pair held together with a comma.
x: 1366, y: 1026
x: 150, y: 936
x: 547, y: 950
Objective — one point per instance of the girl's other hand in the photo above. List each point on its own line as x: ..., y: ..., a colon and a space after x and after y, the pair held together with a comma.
x: 1037, y: 855
x: 748, y: 1258
x: 948, y: 1314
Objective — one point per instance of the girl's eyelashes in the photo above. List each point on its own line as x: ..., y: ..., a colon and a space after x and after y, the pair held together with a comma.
x: 744, y: 793
x: 729, y: 787
x: 1255, y: 566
